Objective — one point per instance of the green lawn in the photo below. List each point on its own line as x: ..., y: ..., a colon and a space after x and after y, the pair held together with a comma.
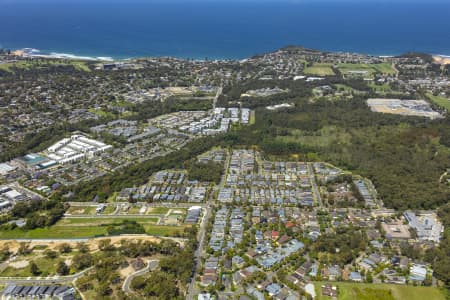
x: 163, y: 230
x: 380, y: 87
x: 370, y: 68
x: 99, y: 221
x: 319, y: 70
x: 343, y: 87
x: 78, y: 65
x: 88, y: 227
x: 101, y: 112
x: 108, y: 210
x: 385, y: 69
x: 362, y: 291
x: 441, y: 101
x: 20, y: 65
x: 54, y: 232
x: 82, y: 210
x: 158, y: 210
x: 252, y: 118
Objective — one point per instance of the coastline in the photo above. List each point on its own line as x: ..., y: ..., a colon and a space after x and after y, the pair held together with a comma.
x: 33, y: 52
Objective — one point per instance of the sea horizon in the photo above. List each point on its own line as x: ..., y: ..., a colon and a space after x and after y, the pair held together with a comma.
x: 221, y: 30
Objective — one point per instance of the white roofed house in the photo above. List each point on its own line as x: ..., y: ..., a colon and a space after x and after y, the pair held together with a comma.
x: 6, y: 168
x: 417, y: 272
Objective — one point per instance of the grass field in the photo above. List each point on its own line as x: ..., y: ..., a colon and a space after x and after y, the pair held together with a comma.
x: 158, y: 210
x: 361, y: 291
x: 252, y: 118
x: 101, y: 112
x: 370, y: 68
x: 346, y: 88
x: 88, y: 227
x: 20, y: 65
x: 54, y: 232
x: 383, y: 88
x: 81, y: 210
x: 108, y: 210
x: 100, y: 221
x: 163, y: 230
x: 89, y: 210
x: 441, y: 101
x: 78, y: 65
x: 343, y: 87
x: 380, y: 88
x: 319, y: 70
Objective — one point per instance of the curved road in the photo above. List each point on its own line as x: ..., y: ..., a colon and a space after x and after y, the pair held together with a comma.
x: 152, y: 265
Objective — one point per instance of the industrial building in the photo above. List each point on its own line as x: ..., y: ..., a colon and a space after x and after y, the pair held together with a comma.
x: 75, y: 148
x: 427, y: 226
x: 193, y: 215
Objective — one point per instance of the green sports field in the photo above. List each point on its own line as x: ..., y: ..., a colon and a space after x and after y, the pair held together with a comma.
x: 363, y: 291
x: 319, y: 70
x: 87, y: 228
x: 370, y: 68
x: 441, y: 101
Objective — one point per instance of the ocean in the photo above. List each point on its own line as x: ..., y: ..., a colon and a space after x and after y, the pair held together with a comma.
x: 220, y: 29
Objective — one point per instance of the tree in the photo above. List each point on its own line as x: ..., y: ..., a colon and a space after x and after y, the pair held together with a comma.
x: 84, y: 283
x: 104, y: 290
x: 82, y: 248
x: 65, y: 248
x: 62, y: 268
x: 82, y: 260
x: 5, y: 253
x: 51, y: 254
x: 34, y: 269
x: 24, y: 249
x: 105, y: 245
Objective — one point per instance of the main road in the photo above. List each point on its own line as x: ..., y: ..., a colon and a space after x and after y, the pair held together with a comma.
x: 200, y: 251
x: 314, y: 184
x: 219, y: 92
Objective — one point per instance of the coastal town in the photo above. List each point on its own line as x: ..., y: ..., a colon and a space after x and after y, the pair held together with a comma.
x: 218, y: 179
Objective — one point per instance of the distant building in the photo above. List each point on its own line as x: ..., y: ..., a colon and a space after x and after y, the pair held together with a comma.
x: 417, y: 273
x: 427, y: 226
x: 193, y: 215
x: 13, y: 291
x: 355, y: 276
